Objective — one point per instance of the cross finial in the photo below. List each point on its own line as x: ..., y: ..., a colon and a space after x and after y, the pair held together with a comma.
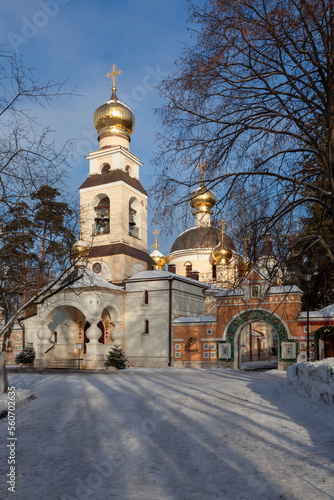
x: 223, y: 224
x: 156, y: 246
x: 112, y: 74
x: 202, y: 167
x: 246, y: 241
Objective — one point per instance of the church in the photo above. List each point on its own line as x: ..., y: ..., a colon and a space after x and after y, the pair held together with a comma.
x: 209, y: 308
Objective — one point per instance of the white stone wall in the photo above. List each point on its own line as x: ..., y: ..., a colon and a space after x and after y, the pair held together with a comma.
x: 152, y: 349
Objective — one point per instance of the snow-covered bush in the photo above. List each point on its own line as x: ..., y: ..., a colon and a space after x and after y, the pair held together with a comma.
x: 26, y: 356
x: 116, y: 357
x: 316, y: 379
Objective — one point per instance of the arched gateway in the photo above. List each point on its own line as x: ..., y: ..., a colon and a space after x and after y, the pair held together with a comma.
x: 238, y: 322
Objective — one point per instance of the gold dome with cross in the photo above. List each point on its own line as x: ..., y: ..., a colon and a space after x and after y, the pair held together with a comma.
x: 113, y: 117
x: 222, y: 254
x: 202, y: 199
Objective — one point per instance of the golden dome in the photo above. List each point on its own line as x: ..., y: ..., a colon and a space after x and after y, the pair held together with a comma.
x: 114, y: 118
x: 202, y: 199
x: 222, y: 253
x: 158, y: 258
x: 156, y: 255
x: 80, y: 248
x: 244, y: 268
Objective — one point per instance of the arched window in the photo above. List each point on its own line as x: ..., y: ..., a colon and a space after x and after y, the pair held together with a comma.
x: 134, y: 218
x: 128, y: 169
x: 147, y: 327
x: 189, y: 268
x: 105, y: 168
x: 102, y: 216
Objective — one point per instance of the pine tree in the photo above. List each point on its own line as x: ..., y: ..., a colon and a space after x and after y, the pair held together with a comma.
x: 116, y: 357
x: 26, y: 356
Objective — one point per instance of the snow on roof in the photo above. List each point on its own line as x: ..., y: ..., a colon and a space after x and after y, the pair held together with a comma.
x: 90, y: 279
x: 212, y: 318
x: 158, y: 274
x: 285, y: 289
x: 228, y: 292
x: 326, y: 312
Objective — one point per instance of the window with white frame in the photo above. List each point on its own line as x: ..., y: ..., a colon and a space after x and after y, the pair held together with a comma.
x: 205, y: 346
x: 177, y: 355
x: 209, y: 331
x: 205, y: 354
x: 212, y: 354
x: 212, y: 346
x: 178, y: 347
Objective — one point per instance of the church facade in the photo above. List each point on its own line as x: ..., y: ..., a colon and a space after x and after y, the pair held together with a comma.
x: 196, y: 313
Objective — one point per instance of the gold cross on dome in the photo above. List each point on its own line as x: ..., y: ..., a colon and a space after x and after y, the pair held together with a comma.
x: 156, y: 246
x: 112, y: 74
x: 202, y: 167
x: 223, y: 224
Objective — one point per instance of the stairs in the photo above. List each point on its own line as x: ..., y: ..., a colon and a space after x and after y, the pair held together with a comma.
x: 65, y: 364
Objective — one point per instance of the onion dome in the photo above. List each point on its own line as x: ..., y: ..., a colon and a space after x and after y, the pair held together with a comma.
x: 158, y: 258
x: 113, y: 117
x: 246, y: 265
x: 202, y: 199
x: 200, y: 238
x: 80, y: 248
x: 156, y: 255
x: 222, y: 254
x: 267, y: 249
x: 244, y: 268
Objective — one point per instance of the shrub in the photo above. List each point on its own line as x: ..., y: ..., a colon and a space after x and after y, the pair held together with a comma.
x: 26, y: 356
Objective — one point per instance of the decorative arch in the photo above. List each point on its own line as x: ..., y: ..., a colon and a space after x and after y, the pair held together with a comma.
x: 324, y: 340
x: 243, y: 318
x: 323, y: 332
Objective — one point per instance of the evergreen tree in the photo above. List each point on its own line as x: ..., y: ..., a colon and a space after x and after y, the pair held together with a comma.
x: 26, y: 356
x: 116, y: 357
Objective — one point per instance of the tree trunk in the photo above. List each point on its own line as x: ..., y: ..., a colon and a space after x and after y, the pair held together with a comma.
x: 3, y: 373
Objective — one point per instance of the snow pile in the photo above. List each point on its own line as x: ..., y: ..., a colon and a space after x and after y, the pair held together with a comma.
x: 21, y: 395
x: 316, y: 379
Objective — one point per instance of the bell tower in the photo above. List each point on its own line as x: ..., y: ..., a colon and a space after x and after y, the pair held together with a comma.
x: 113, y: 203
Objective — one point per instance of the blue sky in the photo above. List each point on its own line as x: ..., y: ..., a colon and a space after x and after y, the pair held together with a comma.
x: 79, y: 40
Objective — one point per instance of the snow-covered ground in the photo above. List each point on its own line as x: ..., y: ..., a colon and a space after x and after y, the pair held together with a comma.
x: 169, y: 434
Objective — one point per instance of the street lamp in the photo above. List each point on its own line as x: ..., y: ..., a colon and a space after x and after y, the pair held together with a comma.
x: 308, y: 279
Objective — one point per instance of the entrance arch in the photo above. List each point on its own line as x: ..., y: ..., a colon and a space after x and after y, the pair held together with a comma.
x: 236, y: 325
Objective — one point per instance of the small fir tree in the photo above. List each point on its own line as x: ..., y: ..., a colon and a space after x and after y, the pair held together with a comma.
x: 26, y: 356
x: 116, y: 357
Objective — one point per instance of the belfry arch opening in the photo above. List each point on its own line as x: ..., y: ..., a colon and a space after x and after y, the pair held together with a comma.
x: 101, y: 214
x: 134, y: 218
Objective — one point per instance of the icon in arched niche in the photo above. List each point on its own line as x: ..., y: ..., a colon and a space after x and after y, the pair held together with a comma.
x: 191, y: 345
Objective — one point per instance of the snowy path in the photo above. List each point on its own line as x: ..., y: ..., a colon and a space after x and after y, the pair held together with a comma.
x: 172, y: 434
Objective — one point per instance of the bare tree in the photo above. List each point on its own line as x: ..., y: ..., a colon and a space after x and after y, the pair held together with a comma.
x: 254, y: 97
x: 28, y: 155
x: 30, y: 164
